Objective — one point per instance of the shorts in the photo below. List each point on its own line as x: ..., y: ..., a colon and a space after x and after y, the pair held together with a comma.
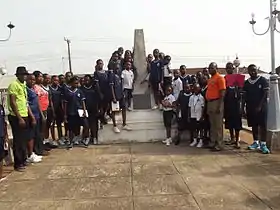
x: 75, y: 122
x: 167, y: 118
x: 183, y: 124
x: 3, y: 152
x: 35, y: 130
x: 59, y: 116
x: 195, y: 124
x: 256, y: 119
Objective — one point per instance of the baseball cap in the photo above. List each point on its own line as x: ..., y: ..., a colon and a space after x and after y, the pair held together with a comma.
x: 21, y: 70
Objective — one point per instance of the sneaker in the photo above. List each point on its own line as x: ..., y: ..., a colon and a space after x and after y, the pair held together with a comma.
x: 155, y: 107
x: 116, y: 129
x: 61, y: 142
x: 194, y: 142
x: 129, y: 109
x: 264, y: 148
x: 38, y: 156
x: 254, y: 146
x: 168, y: 141
x: 76, y: 140
x: 95, y: 141
x: 164, y: 141
x: 200, y: 143
x: 86, y: 142
x: 20, y: 169
x: 54, y: 143
x: 70, y: 145
x: 127, y: 128
x: 33, y: 159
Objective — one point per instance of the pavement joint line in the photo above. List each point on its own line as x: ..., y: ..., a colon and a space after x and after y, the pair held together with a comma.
x: 242, y: 185
x: 185, y: 184
x: 131, y: 177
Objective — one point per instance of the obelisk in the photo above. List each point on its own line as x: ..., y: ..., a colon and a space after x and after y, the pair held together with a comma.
x: 141, y: 93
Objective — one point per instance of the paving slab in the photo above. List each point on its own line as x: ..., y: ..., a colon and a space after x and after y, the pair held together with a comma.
x: 148, y: 176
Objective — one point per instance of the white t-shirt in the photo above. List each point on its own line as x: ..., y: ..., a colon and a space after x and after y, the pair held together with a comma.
x: 196, y: 103
x: 128, y: 77
x: 166, y: 69
x: 177, y: 86
x: 170, y: 99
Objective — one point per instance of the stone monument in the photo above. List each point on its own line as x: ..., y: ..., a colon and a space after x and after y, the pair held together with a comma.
x: 141, y: 93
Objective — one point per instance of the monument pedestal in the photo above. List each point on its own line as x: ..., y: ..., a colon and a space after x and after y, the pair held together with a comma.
x: 147, y: 126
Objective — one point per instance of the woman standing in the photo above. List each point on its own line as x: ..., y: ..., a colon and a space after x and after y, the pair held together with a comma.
x: 232, y: 108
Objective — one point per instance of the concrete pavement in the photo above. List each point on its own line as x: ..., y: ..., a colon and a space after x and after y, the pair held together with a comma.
x: 148, y: 176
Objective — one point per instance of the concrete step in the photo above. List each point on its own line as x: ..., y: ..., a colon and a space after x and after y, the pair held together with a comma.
x: 147, y: 126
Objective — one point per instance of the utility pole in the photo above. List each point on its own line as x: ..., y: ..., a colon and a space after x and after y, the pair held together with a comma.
x: 69, y: 53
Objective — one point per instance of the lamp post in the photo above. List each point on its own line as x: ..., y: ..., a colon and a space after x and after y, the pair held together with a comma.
x: 10, y: 26
x: 273, y: 116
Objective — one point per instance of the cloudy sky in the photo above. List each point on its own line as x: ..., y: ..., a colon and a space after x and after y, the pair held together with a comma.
x: 192, y: 32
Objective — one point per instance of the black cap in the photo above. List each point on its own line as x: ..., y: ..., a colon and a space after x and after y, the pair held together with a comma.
x: 21, y: 70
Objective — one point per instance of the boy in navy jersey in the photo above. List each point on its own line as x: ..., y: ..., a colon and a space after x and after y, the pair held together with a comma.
x: 65, y: 86
x: 183, y: 111
x: 183, y: 75
x: 56, y: 117
x: 117, y: 95
x: 101, y: 77
x: 255, y: 97
x: 156, y: 77
x: 74, y: 101
x: 92, y: 97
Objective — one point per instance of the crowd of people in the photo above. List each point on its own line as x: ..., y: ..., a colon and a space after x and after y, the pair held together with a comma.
x: 204, y: 102
x: 40, y: 104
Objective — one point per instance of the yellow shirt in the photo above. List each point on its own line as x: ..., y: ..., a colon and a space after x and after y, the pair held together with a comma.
x: 18, y: 89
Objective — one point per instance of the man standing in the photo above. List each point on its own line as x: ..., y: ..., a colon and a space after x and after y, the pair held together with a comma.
x: 18, y: 117
x: 215, y: 98
x: 255, y: 98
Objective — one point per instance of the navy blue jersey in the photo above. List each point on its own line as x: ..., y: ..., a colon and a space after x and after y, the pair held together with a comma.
x: 116, y: 81
x: 2, y: 121
x: 101, y: 78
x: 56, y: 93
x: 92, y: 98
x: 185, y: 79
x: 255, y: 90
x: 33, y: 102
x: 73, y: 99
x: 183, y: 101
x: 64, y: 88
x: 156, y: 71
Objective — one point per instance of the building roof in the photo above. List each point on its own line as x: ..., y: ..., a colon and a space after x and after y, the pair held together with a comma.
x: 242, y: 70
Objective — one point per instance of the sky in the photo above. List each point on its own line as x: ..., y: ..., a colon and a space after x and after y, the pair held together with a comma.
x: 193, y: 32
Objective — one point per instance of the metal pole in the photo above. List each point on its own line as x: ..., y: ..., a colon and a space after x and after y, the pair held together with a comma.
x: 272, y: 40
x: 69, y: 54
x: 273, y: 115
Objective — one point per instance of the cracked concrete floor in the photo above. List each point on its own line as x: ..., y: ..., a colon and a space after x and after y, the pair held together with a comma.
x: 148, y: 176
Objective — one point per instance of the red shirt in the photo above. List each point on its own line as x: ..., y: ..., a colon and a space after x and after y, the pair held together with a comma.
x: 43, y: 95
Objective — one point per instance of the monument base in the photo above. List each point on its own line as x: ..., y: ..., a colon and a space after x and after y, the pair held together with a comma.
x: 273, y: 140
x: 147, y: 126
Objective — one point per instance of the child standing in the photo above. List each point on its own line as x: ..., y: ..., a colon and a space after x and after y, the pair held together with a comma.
x: 177, y: 84
x: 92, y: 96
x: 168, y: 105
x: 196, y: 105
x: 117, y: 96
x: 183, y: 111
x: 128, y: 81
x: 74, y: 102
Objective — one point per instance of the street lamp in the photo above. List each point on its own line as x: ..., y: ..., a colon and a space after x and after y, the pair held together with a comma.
x: 273, y: 117
x: 10, y: 26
